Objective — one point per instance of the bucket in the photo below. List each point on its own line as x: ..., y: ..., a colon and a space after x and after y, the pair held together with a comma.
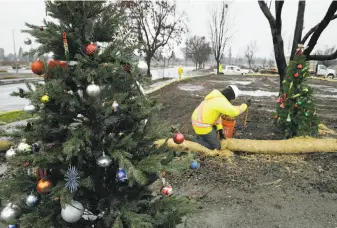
x: 228, y: 127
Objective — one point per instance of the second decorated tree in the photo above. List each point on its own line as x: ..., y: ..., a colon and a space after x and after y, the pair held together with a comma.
x: 88, y: 158
x: 296, y: 113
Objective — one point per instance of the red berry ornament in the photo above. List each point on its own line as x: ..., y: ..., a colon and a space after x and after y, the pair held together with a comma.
x: 296, y: 105
x: 38, y: 67
x: 52, y: 64
x: 276, y: 117
x: 90, y: 49
x: 178, y: 138
x: 296, y: 75
x: 282, y: 105
x: 299, y: 66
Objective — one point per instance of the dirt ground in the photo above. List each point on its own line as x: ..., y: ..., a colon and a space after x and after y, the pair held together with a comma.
x: 255, y: 191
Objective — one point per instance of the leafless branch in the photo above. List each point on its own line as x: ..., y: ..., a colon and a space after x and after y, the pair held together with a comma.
x: 320, y: 28
x: 312, y: 30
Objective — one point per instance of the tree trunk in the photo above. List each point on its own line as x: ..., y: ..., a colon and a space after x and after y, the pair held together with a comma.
x: 298, y: 28
x: 279, y: 55
x: 148, y: 62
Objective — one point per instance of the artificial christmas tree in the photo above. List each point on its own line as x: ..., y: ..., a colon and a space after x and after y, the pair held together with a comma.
x: 89, y: 157
x: 295, y: 113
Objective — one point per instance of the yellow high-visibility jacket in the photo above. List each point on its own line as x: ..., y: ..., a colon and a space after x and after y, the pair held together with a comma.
x: 209, y: 112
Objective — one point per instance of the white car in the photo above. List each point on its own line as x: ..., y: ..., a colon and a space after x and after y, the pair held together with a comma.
x: 234, y: 70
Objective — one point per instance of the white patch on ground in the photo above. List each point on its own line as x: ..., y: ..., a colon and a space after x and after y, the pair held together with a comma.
x: 190, y: 87
x: 240, y: 82
x: 331, y: 90
x: 319, y: 86
x: 258, y: 93
x: 326, y: 96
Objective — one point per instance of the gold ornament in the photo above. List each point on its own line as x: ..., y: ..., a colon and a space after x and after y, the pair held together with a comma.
x: 45, y: 98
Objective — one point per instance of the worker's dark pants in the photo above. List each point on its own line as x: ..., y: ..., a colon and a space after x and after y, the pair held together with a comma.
x: 210, y: 140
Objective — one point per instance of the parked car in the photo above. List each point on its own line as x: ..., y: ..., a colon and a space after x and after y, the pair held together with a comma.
x: 234, y: 70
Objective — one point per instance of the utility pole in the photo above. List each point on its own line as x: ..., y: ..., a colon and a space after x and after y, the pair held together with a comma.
x: 15, y: 58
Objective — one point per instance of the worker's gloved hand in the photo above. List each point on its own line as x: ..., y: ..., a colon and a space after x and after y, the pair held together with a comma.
x: 249, y: 102
x: 221, y: 134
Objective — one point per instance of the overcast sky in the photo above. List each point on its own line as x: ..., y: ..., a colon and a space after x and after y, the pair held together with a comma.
x: 248, y: 22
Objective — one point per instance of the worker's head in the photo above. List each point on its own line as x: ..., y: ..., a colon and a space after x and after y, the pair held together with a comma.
x: 231, y: 92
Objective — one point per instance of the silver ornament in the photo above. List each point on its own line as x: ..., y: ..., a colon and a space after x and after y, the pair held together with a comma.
x: 29, y: 109
x: 80, y: 93
x: 104, y: 161
x: 23, y: 146
x: 10, y: 212
x: 93, y: 90
x: 32, y: 200
x: 27, y: 41
x: 72, y: 212
x: 10, y: 153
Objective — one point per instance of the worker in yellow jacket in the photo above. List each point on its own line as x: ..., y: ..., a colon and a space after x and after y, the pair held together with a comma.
x: 206, y: 118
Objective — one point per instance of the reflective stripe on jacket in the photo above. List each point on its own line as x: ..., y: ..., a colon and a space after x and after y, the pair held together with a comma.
x: 209, y: 112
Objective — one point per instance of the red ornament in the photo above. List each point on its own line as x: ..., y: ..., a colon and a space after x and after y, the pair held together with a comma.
x: 296, y: 105
x: 296, y: 74
x: 43, y: 186
x: 63, y: 64
x: 282, y: 105
x: 279, y: 100
x: 299, y: 66
x: 90, y: 49
x: 166, y: 190
x: 178, y: 138
x: 106, y: 65
x: 52, y: 64
x: 276, y: 117
x: 38, y: 67
x: 284, y: 96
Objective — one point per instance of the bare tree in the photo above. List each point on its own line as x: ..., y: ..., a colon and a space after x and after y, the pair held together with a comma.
x: 264, y: 62
x: 198, y: 50
x: 314, y: 34
x: 327, y: 51
x: 219, y: 31
x: 156, y: 24
x: 250, y: 51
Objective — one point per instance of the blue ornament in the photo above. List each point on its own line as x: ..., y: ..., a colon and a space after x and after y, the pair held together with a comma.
x: 13, y: 226
x: 195, y: 164
x: 121, y: 175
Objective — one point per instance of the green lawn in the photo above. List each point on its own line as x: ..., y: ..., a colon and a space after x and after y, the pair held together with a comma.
x: 12, y: 116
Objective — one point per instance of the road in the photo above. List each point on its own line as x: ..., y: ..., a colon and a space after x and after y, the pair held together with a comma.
x: 16, y: 103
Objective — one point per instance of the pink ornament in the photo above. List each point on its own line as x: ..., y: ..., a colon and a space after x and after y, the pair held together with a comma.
x: 166, y: 190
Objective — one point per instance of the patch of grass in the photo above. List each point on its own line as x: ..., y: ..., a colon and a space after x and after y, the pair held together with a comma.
x: 12, y: 116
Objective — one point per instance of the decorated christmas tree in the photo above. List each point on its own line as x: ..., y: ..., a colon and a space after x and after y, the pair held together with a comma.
x: 87, y: 159
x: 296, y: 113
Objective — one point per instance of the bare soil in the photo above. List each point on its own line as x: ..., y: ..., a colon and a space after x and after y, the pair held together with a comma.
x: 255, y: 191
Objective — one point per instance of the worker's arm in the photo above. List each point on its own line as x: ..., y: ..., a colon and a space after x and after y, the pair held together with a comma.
x: 226, y: 108
x: 218, y: 124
